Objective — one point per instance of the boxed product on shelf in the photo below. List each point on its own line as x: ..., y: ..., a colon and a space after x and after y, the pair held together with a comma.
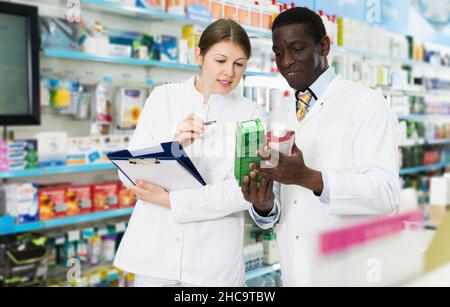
x: 105, y: 196
x: 121, y: 42
x: 243, y: 13
x: 151, y: 4
x: 22, y: 154
x: 169, y: 49
x: 129, y: 104
x: 79, y: 199
x: 58, y: 33
x: 192, y: 34
x: 52, y: 148
x: 198, y: 10
x: 93, y: 39
x: 112, y: 143
x: 20, y: 200
x: 217, y: 9
x: 23, y: 260
x: 52, y: 203
x: 78, y: 150
x: 253, y: 256
x: 175, y: 6
x: 127, y: 198
x: 439, y: 199
x: 3, y: 155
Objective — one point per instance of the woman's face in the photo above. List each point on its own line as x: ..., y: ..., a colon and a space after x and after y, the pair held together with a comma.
x: 222, y: 68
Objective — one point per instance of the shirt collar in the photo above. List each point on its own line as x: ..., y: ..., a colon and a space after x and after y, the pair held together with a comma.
x: 320, y: 85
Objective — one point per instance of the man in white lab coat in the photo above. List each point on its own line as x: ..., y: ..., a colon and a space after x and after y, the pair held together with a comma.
x: 344, y: 165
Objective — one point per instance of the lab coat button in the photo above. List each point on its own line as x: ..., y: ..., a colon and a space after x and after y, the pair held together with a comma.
x: 297, y: 237
x: 178, y: 239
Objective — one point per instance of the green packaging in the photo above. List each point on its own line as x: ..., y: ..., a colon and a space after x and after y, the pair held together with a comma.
x: 249, y: 139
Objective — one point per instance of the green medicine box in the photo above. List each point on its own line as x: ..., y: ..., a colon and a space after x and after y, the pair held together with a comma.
x: 249, y: 138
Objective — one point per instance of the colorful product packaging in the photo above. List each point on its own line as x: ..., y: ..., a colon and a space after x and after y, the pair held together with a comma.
x: 3, y: 155
x: 126, y: 197
x: 249, y: 139
x: 79, y: 199
x: 20, y: 200
x: 52, y: 203
x: 105, y: 196
x: 150, y: 4
x: 169, y: 49
x: 129, y: 104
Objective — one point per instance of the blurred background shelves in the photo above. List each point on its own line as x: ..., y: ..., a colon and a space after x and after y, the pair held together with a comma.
x: 56, y: 170
x: 75, y: 55
x: 7, y: 228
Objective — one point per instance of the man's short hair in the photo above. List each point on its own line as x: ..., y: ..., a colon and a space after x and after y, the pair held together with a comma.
x: 303, y: 16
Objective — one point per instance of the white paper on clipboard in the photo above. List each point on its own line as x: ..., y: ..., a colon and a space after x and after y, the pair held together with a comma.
x: 168, y: 174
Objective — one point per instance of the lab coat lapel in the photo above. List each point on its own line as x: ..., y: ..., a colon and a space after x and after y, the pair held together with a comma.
x: 323, y: 103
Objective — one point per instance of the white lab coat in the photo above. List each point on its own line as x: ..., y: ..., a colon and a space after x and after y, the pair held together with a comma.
x: 350, y: 133
x: 200, y: 240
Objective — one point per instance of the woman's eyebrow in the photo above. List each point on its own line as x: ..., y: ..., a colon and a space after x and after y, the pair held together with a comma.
x: 227, y: 57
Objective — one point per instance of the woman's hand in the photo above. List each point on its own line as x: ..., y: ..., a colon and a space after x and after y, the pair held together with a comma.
x: 190, y: 130
x: 151, y: 193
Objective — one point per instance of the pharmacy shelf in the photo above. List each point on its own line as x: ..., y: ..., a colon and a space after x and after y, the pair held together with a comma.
x: 61, y: 222
x: 420, y: 142
x: 418, y: 169
x: 80, y: 56
x: 157, y: 15
x: 262, y: 271
x: 422, y: 117
x: 38, y: 172
x: 337, y: 50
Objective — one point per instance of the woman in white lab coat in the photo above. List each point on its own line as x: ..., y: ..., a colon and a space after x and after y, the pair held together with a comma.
x: 194, y: 237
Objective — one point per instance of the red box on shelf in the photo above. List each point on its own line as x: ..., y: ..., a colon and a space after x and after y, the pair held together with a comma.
x: 432, y: 157
x: 105, y: 196
x: 126, y: 197
x: 79, y: 199
x: 52, y: 203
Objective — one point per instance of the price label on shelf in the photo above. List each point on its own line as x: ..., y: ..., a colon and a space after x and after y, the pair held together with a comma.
x: 102, y: 231
x: 121, y: 227
x: 73, y: 236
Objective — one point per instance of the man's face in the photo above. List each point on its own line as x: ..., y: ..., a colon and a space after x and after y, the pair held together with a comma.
x: 299, y: 58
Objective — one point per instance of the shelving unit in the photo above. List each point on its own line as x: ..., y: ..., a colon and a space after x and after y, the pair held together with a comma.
x: 56, y: 170
x: 7, y: 229
x: 80, y: 56
x: 418, y: 169
x: 156, y: 15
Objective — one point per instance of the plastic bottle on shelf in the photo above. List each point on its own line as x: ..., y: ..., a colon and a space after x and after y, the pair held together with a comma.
x: 271, y: 255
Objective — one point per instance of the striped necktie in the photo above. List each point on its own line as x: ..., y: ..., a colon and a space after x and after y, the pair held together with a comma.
x: 303, y: 101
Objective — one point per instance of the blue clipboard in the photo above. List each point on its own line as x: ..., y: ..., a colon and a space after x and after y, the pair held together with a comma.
x: 159, y: 163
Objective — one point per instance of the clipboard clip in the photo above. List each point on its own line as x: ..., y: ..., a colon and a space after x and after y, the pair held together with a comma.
x: 144, y: 161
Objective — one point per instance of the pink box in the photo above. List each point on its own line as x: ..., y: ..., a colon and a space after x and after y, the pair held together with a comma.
x: 3, y: 155
x: 342, y: 239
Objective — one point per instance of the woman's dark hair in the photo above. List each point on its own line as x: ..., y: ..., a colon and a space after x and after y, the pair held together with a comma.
x: 224, y: 30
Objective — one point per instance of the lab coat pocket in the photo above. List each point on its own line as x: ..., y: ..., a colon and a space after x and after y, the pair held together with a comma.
x: 334, y: 150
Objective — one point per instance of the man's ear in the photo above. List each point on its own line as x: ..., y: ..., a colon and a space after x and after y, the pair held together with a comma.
x: 325, y: 45
x: 198, y: 57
